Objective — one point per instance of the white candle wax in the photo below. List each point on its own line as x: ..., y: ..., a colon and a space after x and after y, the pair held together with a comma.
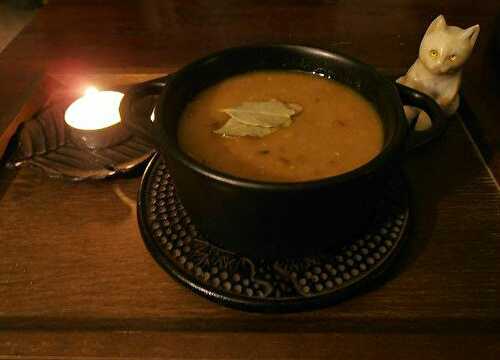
x: 95, y: 110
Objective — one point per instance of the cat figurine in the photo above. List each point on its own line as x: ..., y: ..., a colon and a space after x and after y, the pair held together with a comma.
x: 438, y: 70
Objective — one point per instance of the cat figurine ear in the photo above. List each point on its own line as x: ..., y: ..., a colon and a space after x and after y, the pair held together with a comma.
x: 438, y: 70
x: 438, y: 23
x: 471, y: 34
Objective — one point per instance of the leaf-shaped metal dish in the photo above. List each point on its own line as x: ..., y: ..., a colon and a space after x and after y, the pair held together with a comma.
x: 43, y: 142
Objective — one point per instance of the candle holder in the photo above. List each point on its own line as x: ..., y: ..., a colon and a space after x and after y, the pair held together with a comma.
x: 100, y: 138
x: 94, y: 120
x: 44, y: 140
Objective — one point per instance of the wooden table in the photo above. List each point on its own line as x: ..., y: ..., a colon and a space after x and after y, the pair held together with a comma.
x: 76, y: 280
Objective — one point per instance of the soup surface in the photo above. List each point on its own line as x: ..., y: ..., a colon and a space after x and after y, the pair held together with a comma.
x: 336, y: 131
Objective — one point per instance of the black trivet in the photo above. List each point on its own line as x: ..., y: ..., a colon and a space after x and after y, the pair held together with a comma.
x: 266, y: 286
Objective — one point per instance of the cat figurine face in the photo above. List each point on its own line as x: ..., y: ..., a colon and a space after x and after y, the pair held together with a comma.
x: 444, y: 49
x: 437, y: 71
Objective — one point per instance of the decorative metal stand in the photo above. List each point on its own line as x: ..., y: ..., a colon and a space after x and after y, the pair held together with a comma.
x: 248, y: 284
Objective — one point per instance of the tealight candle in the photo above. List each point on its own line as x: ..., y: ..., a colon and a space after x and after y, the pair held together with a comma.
x: 94, y: 119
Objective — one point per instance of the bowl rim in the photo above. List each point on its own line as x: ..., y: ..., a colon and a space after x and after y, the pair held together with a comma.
x: 388, y: 152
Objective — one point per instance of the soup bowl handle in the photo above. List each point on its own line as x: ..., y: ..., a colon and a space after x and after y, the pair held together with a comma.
x: 136, y: 123
x: 424, y: 102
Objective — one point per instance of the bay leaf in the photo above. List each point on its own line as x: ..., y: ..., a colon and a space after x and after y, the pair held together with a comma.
x: 235, y: 128
x: 272, y: 113
x: 252, y: 118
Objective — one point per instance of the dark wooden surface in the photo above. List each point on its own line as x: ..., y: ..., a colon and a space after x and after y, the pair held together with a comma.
x: 76, y: 280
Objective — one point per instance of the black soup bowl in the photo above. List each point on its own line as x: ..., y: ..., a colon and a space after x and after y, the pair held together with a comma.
x: 273, y: 220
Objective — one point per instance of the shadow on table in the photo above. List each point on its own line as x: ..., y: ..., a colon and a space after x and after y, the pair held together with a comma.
x: 435, y: 172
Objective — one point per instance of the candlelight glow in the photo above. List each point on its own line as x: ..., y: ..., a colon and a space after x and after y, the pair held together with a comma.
x: 91, y: 90
x: 95, y: 110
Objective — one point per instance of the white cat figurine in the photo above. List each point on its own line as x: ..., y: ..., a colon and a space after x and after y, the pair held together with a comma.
x: 438, y: 69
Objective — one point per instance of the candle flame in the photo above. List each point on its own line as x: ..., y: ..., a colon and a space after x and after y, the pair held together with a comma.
x: 153, y: 115
x: 91, y: 90
x: 95, y: 110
